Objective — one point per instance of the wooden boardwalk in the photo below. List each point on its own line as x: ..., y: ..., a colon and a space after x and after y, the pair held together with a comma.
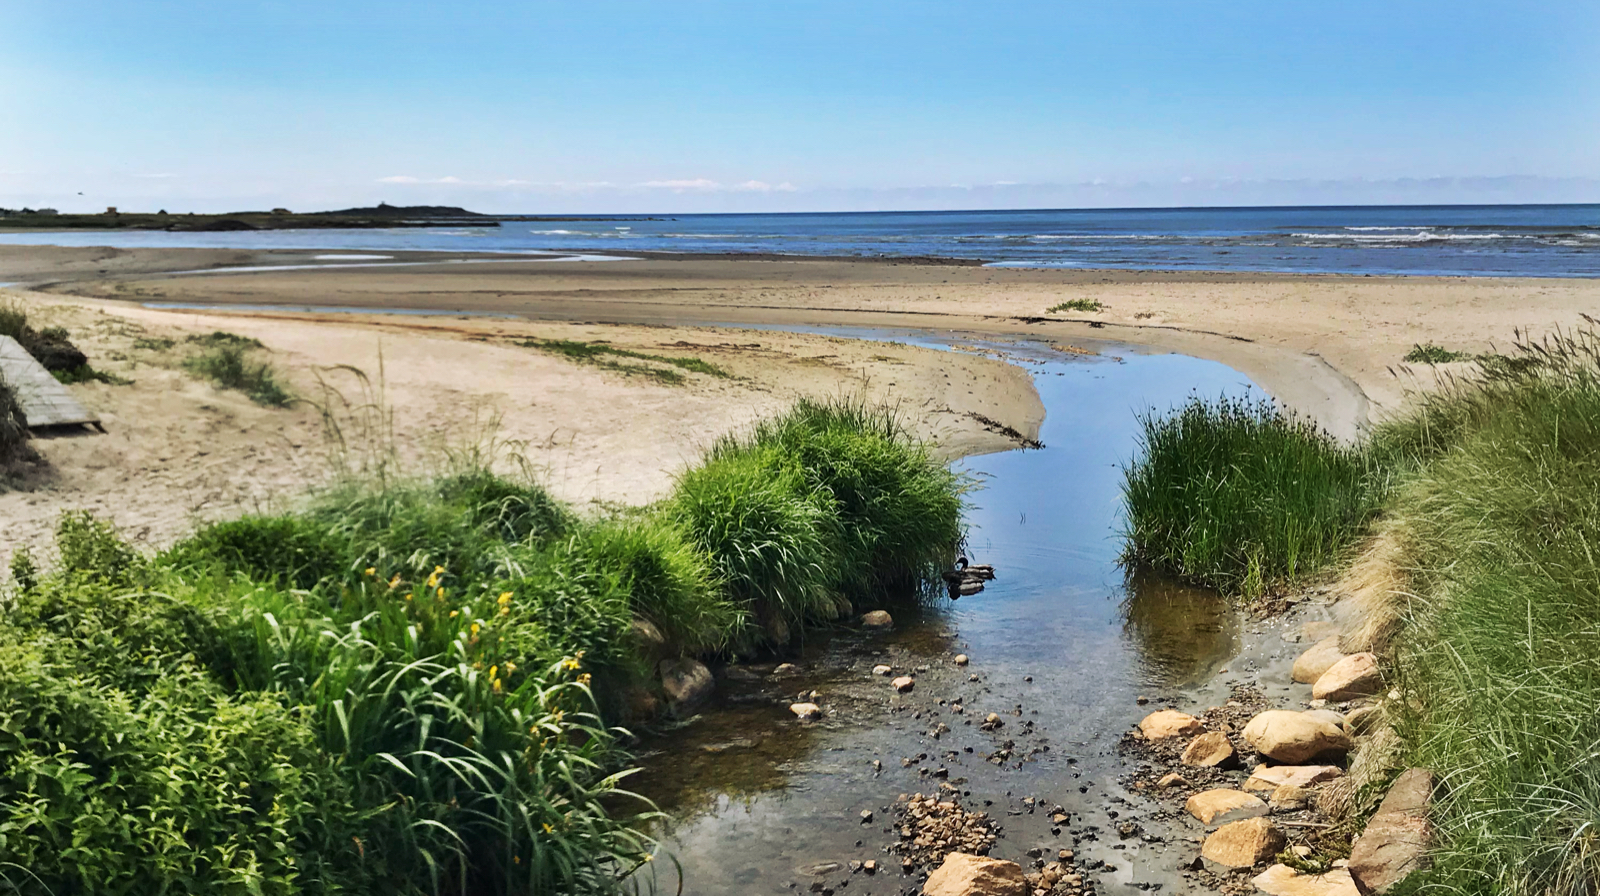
x: 45, y: 402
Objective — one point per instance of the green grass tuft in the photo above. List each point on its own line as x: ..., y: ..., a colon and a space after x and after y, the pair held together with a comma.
x: 1234, y: 495
x: 1076, y: 305
x: 229, y: 366
x: 1428, y: 353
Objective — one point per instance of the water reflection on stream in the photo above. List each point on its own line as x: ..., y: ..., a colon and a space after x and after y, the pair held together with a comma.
x: 762, y: 803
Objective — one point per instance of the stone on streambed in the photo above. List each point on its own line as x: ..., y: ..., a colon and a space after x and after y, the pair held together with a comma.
x: 1271, y: 777
x: 1354, y: 676
x: 1172, y: 779
x: 903, y: 684
x: 806, y: 712
x: 1223, y: 806
x: 1165, y: 723
x: 961, y: 659
x: 963, y: 874
x: 1319, y: 659
x: 1294, y: 737
x: 784, y: 670
x: 877, y: 619
x: 882, y: 669
x: 1289, y: 798
x: 1396, y: 840
x: 686, y: 682
x: 1281, y: 880
x: 1209, y: 750
x: 1243, y: 844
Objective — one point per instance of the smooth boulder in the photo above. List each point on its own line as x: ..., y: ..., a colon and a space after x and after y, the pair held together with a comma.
x: 1294, y: 737
x: 686, y: 682
x: 1319, y: 659
x: 903, y: 684
x: 1397, y: 839
x: 806, y: 712
x: 1354, y: 676
x: 1243, y: 844
x: 1223, y: 806
x: 963, y: 874
x: 1209, y: 750
x: 877, y: 619
x: 1165, y: 723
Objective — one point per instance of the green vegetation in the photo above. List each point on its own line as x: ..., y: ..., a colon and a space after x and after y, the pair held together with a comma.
x: 1234, y: 495
x: 1490, y: 491
x: 227, y: 363
x: 154, y: 343
x: 88, y: 374
x: 408, y: 685
x: 13, y: 428
x: 602, y: 355
x: 1428, y: 353
x: 1076, y: 305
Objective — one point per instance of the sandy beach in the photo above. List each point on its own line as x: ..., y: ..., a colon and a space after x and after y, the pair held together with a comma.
x: 1327, y: 346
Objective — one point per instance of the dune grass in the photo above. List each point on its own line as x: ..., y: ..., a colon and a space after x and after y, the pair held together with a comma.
x: 228, y: 365
x: 1234, y: 495
x: 1501, y: 645
x: 13, y: 426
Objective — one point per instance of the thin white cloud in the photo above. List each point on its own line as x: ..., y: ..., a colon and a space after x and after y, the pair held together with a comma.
x: 408, y: 179
x: 156, y: 176
x: 698, y: 183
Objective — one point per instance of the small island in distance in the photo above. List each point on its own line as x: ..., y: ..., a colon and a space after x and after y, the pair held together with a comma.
x: 381, y: 215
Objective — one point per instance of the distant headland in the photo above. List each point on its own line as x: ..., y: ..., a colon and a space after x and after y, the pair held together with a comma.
x: 382, y: 215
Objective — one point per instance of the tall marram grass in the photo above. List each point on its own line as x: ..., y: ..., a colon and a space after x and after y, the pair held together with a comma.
x: 1235, y: 495
x: 1501, y: 646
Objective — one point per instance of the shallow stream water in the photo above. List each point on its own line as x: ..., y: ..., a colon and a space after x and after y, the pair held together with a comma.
x: 1062, y: 644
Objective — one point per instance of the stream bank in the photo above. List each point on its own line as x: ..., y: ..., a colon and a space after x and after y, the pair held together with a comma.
x: 1066, y: 654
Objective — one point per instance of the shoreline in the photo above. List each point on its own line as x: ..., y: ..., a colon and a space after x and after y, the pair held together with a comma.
x: 1325, y: 345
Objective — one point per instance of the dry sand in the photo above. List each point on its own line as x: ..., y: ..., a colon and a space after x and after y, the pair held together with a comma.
x: 1329, y: 346
x: 178, y: 450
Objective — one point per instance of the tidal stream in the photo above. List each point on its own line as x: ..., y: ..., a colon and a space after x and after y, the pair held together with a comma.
x: 1061, y: 645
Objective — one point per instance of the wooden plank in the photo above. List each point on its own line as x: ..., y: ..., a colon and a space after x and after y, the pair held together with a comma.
x: 45, y: 401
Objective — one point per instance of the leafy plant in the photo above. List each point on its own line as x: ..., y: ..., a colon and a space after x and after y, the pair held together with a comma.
x: 1428, y: 353
x: 600, y: 354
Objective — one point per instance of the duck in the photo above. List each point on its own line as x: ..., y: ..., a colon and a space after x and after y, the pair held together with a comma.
x: 967, y: 578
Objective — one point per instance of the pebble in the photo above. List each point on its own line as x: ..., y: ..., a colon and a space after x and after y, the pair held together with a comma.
x: 904, y: 684
x: 881, y: 669
x: 961, y: 659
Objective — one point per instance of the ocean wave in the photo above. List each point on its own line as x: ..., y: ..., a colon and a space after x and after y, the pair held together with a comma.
x: 560, y: 232
x: 1425, y: 236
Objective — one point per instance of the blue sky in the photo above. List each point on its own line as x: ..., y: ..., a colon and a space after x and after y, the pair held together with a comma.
x: 717, y: 106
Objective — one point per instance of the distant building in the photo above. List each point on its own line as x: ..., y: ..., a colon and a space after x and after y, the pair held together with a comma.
x: 111, y: 209
x: 45, y: 211
x: 281, y: 211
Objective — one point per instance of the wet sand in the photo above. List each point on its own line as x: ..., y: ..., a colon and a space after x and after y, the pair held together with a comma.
x: 1330, y: 346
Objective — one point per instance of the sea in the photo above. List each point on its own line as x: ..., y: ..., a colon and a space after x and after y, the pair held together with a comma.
x: 1453, y: 240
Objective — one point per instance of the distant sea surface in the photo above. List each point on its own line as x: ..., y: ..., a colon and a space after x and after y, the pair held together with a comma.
x: 1490, y: 240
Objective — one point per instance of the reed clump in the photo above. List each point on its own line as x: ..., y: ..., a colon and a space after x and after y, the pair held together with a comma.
x: 1235, y: 495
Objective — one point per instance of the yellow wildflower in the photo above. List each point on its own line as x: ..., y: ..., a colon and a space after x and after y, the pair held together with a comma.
x: 493, y: 671
x: 440, y: 592
x: 454, y: 613
x: 510, y: 668
x: 496, y: 684
x: 433, y: 580
x: 395, y: 582
x: 505, y: 611
x: 372, y: 571
x: 474, y: 629
x: 438, y: 570
x: 505, y: 598
x: 548, y: 829
x: 583, y: 679
x: 570, y: 664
